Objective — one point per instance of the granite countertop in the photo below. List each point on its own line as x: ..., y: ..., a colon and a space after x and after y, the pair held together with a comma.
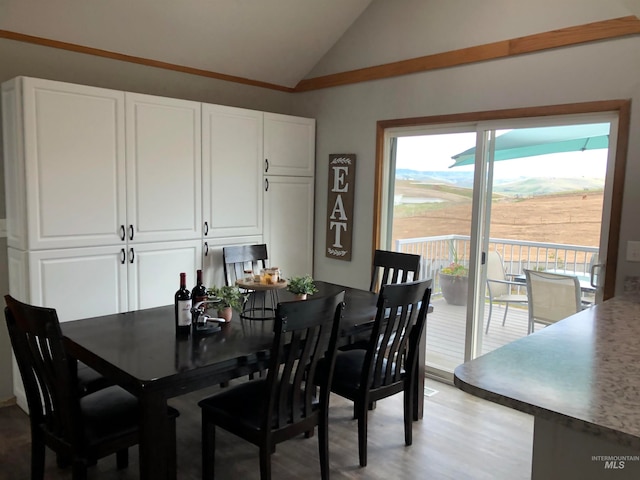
x: 583, y: 372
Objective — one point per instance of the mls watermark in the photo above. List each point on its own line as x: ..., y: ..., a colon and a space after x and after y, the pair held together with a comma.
x: 615, y: 462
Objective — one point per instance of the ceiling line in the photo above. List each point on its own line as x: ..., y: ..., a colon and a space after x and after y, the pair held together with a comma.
x: 590, y: 32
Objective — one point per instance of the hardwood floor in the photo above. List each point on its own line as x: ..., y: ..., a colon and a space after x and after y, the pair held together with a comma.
x: 460, y: 437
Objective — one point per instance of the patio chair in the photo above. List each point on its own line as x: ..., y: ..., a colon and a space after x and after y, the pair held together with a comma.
x: 499, y: 287
x: 552, y: 297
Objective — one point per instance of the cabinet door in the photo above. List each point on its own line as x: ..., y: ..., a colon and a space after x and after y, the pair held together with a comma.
x: 212, y: 261
x: 79, y: 282
x: 289, y: 145
x: 288, y: 221
x: 164, y: 200
x: 231, y: 171
x: 73, y: 163
x: 154, y: 271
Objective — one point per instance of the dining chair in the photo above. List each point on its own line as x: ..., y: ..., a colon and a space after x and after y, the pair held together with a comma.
x: 285, y: 403
x: 389, y: 364
x: 552, y: 297
x: 499, y: 287
x: 80, y: 429
x: 393, y: 267
x: 240, y: 258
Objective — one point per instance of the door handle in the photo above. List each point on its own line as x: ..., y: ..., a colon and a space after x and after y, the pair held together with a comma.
x: 206, y: 228
x: 266, y: 164
x: 594, y: 278
x: 123, y: 256
x: 130, y: 232
x: 206, y: 248
x: 132, y: 255
x: 266, y: 184
x: 122, y: 232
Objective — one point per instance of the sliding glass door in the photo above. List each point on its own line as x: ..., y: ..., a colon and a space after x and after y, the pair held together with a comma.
x: 487, y: 201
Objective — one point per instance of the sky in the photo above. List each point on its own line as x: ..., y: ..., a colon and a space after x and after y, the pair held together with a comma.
x: 434, y: 152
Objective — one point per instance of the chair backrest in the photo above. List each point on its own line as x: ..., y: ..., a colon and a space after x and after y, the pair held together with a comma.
x: 46, y: 372
x: 306, y: 332
x: 495, y: 271
x: 239, y: 258
x: 393, y: 267
x: 400, y: 320
x: 552, y: 296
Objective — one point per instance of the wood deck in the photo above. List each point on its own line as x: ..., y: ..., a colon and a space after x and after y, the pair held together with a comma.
x: 446, y: 332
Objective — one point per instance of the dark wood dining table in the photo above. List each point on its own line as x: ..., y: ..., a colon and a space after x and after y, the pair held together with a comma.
x: 140, y: 351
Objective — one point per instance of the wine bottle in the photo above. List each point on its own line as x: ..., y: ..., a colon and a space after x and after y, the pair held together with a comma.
x: 199, y: 292
x: 183, y: 307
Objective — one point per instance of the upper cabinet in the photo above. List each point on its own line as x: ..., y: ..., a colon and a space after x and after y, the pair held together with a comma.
x: 164, y: 190
x: 289, y: 145
x: 64, y: 164
x: 231, y: 171
x: 71, y: 182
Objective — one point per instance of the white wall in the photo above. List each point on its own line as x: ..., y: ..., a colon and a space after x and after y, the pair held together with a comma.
x: 346, y: 116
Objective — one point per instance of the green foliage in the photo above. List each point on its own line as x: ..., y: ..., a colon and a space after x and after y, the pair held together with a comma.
x: 456, y: 269
x: 301, y: 285
x: 229, y: 296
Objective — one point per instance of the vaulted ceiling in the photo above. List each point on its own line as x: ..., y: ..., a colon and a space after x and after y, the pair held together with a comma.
x: 271, y: 41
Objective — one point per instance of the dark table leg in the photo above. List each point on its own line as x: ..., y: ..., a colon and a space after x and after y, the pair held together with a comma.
x: 155, y: 451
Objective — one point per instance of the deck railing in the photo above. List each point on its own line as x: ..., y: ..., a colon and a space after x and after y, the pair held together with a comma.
x: 517, y: 255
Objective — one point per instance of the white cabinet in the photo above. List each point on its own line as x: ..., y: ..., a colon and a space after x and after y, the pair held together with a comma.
x: 164, y: 190
x: 289, y: 145
x: 64, y: 164
x: 231, y: 171
x: 154, y: 268
x: 288, y: 219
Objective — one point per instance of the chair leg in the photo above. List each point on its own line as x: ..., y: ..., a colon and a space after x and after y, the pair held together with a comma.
x: 489, y: 317
x: 408, y: 414
x: 265, y: 462
x: 208, y: 448
x: 37, y: 456
x: 506, y: 309
x: 122, y: 458
x: 362, y: 433
x: 323, y: 444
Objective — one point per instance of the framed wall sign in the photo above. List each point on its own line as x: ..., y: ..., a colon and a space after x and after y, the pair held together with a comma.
x: 342, y: 176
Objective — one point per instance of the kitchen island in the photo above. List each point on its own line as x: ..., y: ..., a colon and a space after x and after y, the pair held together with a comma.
x: 580, y: 378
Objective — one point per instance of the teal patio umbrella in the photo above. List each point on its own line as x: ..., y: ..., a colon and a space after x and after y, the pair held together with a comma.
x: 529, y: 142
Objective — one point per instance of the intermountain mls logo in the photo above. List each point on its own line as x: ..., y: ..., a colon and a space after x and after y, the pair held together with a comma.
x: 615, y: 462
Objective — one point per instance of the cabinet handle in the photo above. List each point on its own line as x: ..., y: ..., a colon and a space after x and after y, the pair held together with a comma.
x: 266, y: 164
x: 122, y: 232
x: 206, y: 249
x: 266, y: 184
x: 206, y: 228
x: 123, y: 255
x: 130, y: 232
x: 132, y: 254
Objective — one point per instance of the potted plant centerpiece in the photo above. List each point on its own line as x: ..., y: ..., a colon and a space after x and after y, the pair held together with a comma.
x: 301, y: 286
x: 454, y: 281
x: 230, y: 297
